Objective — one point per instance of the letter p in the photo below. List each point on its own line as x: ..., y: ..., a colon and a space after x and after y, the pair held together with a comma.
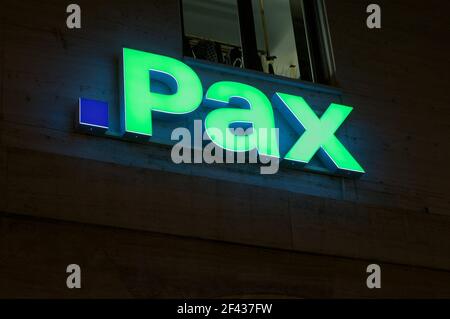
x: 141, y: 72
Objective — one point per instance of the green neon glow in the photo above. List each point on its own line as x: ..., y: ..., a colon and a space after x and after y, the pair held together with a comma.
x: 319, y: 133
x: 258, y: 113
x: 139, y: 102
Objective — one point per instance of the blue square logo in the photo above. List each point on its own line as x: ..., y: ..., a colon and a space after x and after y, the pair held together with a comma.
x: 93, y: 113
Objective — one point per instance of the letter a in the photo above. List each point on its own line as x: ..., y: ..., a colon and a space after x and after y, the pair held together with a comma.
x: 374, y: 279
x: 253, y: 108
x: 74, y: 279
x: 74, y: 19
x: 374, y: 19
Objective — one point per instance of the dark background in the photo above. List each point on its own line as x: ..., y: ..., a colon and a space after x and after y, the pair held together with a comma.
x: 140, y: 227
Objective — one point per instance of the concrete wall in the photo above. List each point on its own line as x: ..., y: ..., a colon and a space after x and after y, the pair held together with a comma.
x: 109, y: 204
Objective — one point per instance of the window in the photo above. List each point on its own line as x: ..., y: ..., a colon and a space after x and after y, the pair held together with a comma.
x: 288, y: 38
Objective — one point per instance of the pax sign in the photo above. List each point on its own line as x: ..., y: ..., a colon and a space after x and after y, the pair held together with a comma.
x: 233, y: 103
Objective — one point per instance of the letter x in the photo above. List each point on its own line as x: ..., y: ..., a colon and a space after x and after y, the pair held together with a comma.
x: 319, y: 134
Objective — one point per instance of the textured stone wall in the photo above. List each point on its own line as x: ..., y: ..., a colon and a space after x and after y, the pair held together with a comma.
x: 141, y: 226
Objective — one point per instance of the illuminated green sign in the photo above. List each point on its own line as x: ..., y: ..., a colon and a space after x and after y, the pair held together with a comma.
x: 140, y: 101
x: 254, y: 109
x: 234, y: 103
x: 319, y: 133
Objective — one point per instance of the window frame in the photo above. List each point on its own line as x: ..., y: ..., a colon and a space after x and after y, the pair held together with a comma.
x: 311, y: 32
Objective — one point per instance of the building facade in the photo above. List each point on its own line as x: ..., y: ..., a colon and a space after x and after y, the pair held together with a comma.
x: 142, y: 226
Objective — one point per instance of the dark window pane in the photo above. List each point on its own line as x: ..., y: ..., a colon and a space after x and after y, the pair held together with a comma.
x: 288, y: 38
